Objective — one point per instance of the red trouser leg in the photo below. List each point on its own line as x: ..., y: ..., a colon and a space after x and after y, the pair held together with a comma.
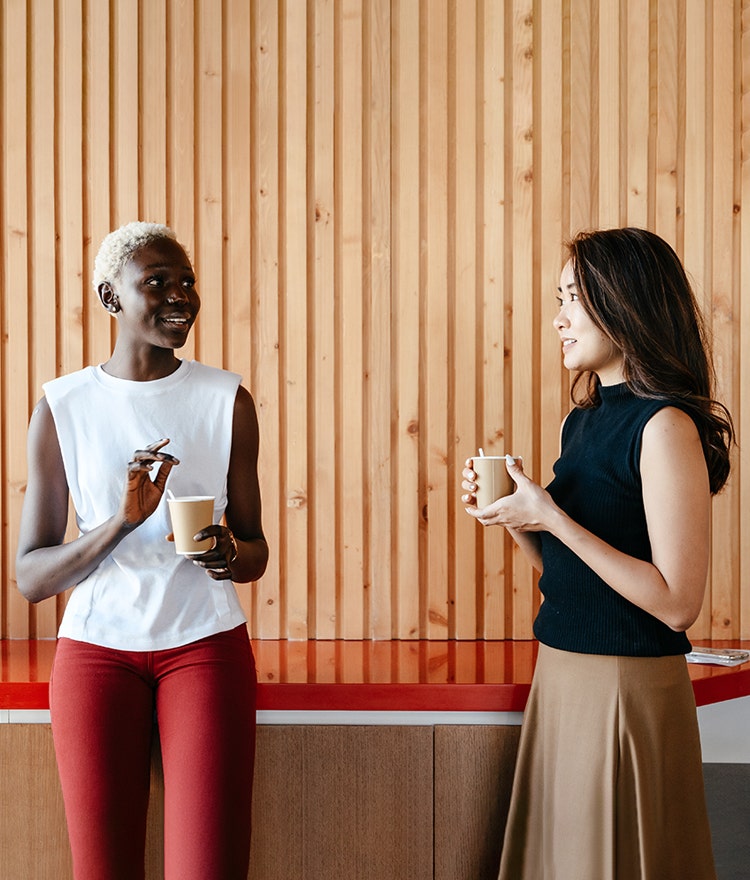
x: 102, y: 705
x: 102, y: 724
x: 206, y: 718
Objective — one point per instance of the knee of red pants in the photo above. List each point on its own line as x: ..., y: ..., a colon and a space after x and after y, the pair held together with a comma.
x: 206, y: 712
x: 102, y: 724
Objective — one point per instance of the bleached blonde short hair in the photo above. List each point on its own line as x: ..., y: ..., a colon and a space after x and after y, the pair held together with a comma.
x: 120, y: 245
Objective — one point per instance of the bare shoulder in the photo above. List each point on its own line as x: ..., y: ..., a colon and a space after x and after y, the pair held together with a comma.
x: 671, y: 444
x: 245, y: 416
x: 245, y: 430
x: 41, y: 410
x: 42, y: 430
x: 669, y: 425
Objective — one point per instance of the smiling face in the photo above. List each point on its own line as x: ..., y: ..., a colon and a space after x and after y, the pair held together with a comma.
x: 154, y: 298
x: 584, y: 345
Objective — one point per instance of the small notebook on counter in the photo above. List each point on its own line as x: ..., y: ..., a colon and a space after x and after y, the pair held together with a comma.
x: 719, y: 656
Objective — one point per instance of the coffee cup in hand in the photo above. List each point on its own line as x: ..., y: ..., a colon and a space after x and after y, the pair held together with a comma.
x: 190, y: 514
x: 492, y: 479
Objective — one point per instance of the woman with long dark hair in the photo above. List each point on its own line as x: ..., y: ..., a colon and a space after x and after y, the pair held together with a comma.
x: 608, y: 782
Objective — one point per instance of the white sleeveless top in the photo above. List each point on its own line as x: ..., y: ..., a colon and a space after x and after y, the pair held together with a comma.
x: 143, y: 597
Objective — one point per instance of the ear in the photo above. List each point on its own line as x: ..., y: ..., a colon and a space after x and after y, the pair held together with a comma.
x: 108, y: 297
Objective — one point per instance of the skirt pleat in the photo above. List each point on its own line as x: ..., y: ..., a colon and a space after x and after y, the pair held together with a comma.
x: 609, y: 779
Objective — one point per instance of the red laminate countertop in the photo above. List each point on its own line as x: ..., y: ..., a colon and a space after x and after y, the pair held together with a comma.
x: 409, y: 676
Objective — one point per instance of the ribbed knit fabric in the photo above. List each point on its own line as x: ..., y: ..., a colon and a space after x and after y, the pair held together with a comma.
x: 597, y: 483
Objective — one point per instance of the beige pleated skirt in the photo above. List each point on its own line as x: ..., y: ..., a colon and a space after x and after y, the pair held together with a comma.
x: 609, y: 779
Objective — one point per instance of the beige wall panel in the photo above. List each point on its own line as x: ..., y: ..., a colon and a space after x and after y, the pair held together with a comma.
x: 327, y: 802
x: 470, y: 817
x: 33, y: 834
x: 353, y: 802
x: 375, y: 196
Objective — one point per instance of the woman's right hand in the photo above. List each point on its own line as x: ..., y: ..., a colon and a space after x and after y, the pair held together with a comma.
x: 142, y: 495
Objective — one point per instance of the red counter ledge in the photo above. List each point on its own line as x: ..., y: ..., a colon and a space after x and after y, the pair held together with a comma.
x: 396, y: 676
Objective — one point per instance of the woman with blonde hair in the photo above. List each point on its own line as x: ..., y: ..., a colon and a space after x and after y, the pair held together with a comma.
x: 151, y: 642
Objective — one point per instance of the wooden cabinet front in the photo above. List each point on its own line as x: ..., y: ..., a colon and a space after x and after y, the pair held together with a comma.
x: 329, y: 801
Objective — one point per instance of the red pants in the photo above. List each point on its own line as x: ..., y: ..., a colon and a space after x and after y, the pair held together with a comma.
x: 103, y: 703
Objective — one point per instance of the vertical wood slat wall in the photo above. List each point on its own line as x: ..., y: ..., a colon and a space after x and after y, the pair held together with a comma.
x: 374, y: 193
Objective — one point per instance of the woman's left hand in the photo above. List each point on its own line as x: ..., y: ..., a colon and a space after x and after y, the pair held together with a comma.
x: 523, y: 511
x: 218, y: 560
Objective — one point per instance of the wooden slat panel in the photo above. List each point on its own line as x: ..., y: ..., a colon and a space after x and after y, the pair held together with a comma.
x: 349, y: 242
x: 608, y: 86
x: 209, y: 225
x: 722, y: 222
x: 126, y: 129
x: 70, y: 186
x: 638, y: 94
x: 696, y: 159
x: 552, y: 230
x: 293, y: 290
x: 466, y: 308
x: 374, y: 196
x: 494, y: 565
x: 14, y: 309
x: 323, y: 579
x: 525, y: 375
x: 237, y: 213
x: 100, y: 325
x: 743, y: 397
x: 666, y: 196
x: 182, y: 110
x: 153, y: 112
x: 435, y: 317
x: 405, y: 293
x: 270, y: 609
x: 378, y: 346
x: 270, y: 606
x: 42, y: 331
x: 580, y: 107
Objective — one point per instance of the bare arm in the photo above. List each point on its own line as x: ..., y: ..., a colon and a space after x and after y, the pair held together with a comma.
x: 243, y: 512
x: 677, y: 504
x: 45, y: 566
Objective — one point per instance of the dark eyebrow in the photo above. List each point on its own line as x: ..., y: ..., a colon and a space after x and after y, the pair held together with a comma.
x: 154, y: 266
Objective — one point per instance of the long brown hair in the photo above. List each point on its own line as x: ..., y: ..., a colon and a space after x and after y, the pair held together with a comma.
x: 634, y: 287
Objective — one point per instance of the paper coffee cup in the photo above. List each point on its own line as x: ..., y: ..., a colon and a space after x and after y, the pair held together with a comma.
x: 190, y: 514
x: 493, y: 480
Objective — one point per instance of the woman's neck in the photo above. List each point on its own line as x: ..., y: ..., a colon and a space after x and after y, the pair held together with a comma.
x: 141, y: 366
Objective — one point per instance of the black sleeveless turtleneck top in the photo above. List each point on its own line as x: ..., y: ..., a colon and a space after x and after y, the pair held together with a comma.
x: 597, y: 483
